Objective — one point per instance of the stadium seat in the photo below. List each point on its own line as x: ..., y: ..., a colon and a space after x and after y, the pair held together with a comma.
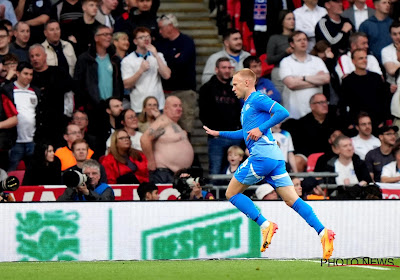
x: 19, y: 174
x: 21, y: 165
x: 312, y: 161
x: 266, y: 68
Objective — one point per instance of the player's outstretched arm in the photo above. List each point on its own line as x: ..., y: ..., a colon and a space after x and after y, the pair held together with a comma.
x: 238, y: 134
x: 211, y: 132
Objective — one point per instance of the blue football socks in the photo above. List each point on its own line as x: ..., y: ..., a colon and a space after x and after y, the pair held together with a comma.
x: 246, y: 206
x: 306, y: 211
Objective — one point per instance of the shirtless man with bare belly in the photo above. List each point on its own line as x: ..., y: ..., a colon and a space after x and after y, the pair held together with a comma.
x: 166, y: 145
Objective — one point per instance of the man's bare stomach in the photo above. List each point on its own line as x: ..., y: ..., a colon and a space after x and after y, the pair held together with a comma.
x: 173, y: 155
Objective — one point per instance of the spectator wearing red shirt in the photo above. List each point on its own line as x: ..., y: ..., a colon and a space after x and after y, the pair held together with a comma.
x: 124, y: 165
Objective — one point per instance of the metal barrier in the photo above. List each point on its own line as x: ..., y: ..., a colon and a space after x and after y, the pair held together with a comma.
x: 323, y: 175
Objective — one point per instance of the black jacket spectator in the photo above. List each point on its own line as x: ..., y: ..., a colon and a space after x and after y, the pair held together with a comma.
x: 88, y: 94
x: 219, y: 107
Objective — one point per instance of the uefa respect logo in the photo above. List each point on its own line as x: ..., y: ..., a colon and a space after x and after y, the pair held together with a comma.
x: 48, y: 236
x: 226, y: 234
x: 364, y: 261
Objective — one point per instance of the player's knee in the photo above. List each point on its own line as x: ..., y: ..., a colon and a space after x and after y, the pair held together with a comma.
x: 290, y: 202
x: 228, y: 194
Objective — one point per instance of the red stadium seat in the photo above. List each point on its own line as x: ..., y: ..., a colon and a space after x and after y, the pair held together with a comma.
x: 312, y: 161
x: 266, y: 68
x: 21, y: 165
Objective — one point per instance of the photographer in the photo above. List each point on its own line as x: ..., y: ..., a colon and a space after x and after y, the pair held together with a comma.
x: 190, y: 187
x: 91, y: 189
x: 7, y: 184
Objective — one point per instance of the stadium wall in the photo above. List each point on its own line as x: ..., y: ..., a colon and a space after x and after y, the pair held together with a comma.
x: 190, y: 230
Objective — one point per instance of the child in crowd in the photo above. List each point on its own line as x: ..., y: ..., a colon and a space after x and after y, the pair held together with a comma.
x: 235, y: 157
x: 285, y: 142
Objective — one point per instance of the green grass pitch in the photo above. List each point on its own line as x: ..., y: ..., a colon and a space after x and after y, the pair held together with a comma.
x: 193, y: 269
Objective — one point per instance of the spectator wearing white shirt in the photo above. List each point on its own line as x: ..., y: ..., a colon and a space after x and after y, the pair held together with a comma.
x: 391, y: 55
x: 284, y: 139
x: 143, y: 69
x: 391, y: 171
x: 364, y: 141
x: 303, y: 76
x: 351, y: 170
x: 307, y: 17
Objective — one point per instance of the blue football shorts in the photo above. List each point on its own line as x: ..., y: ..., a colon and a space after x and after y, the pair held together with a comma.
x: 256, y: 169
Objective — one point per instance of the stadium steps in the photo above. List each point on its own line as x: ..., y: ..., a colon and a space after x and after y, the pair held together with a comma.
x: 193, y: 18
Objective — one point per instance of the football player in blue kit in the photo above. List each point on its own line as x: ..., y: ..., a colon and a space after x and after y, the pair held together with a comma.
x: 266, y: 162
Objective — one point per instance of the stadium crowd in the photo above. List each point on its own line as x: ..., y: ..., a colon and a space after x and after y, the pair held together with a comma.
x: 110, y: 87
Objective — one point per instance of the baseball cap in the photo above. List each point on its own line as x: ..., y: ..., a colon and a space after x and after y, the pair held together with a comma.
x: 263, y: 190
x: 386, y: 128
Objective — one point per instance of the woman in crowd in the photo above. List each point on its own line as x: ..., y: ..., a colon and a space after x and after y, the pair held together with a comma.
x: 124, y: 164
x: 129, y: 122
x: 45, y: 167
x: 121, y: 44
x: 278, y: 46
x: 149, y: 113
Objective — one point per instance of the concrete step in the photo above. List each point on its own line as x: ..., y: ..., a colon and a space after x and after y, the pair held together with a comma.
x: 194, y: 23
x: 201, y: 149
x: 183, y: 15
x: 199, y: 132
x: 196, y: 17
x: 207, y: 51
x: 202, y: 59
x: 200, y: 42
x: 198, y: 140
x: 198, y: 123
x: 187, y: 7
x: 199, y: 69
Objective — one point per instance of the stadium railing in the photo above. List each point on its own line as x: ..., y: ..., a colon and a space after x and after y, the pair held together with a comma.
x: 227, y: 177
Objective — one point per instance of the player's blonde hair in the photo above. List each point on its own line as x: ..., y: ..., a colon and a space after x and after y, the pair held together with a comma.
x: 248, y: 74
x: 236, y: 150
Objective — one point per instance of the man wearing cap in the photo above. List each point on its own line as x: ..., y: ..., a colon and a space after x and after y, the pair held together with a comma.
x: 266, y: 192
x: 377, y: 158
x: 334, y: 28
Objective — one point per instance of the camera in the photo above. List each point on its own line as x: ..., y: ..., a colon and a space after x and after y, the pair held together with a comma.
x: 9, y: 184
x: 74, y: 178
x: 185, y: 185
